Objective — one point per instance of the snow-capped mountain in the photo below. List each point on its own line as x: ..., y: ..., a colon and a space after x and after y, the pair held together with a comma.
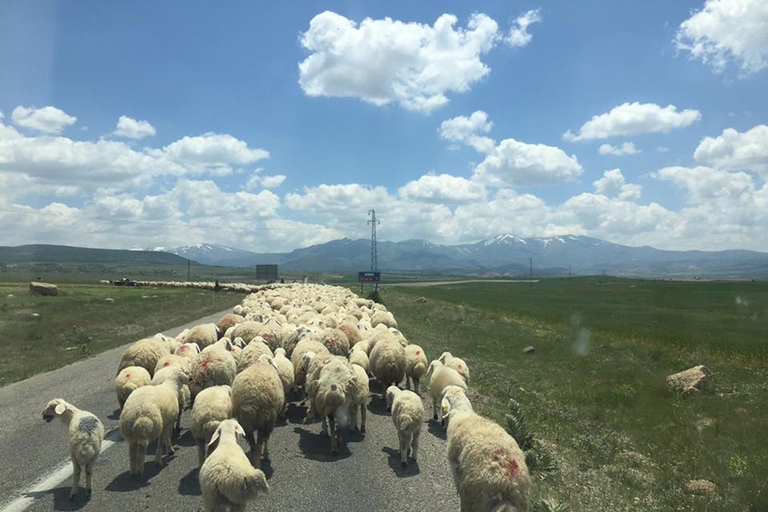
x: 502, y: 254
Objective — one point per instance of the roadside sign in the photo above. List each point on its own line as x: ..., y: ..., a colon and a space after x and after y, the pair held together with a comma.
x: 369, y: 277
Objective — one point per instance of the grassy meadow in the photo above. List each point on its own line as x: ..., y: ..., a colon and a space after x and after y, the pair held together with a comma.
x: 80, y: 322
x: 594, y: 390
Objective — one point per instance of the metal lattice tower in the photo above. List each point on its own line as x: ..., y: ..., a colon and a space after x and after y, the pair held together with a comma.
x: 374, y: 256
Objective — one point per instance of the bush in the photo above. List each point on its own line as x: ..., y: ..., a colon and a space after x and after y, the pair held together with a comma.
x: 538, y: 458
x: 375, y: 296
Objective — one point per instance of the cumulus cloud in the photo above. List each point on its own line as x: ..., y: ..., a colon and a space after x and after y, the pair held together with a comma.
x: 632, y: 119
x: 468, y: 130
x: 518, y: 33
x: 133, y: 128
x: 612, y: 183
x: 442, y: 188
x: 212, y: 150
x: 385, y: 61
x: 49, y: 120
x: 733, y: 150
x: 517, y: 163
x: 627, y: 148
x: 727, y: 30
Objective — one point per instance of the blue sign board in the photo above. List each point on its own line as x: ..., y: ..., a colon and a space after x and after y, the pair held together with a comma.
x: 369, y: 277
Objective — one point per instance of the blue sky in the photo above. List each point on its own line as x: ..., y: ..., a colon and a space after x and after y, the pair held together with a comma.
x: 196, y: 68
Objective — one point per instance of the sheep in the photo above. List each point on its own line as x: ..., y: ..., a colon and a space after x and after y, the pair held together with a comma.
x: 350, y: 330
x: 285, y: 369
x: 185, y: 397
x: 336, y: 342
x: 330, y: 397
x: 415, y: 365
x: 145, y: 353
x: 173, y: 360
x: 257, y: 401
x: 212, y: 406
x: 360, y: 358
x: 299, y: 371
x: 442, y: 377
x: 212, y: 368
x: 188, y: 350
x: 384, y: 318
x: 387, y: 361
x: 246, y: 330
x: 203, y: 335
x: 229, y: 320
x: 359, y: 395
x: 85, y: 435
x: 170, y: 343
x: 457, y: 364
x: 251, y: 353
x: 128, y: 379
x: 408, y: 416
x: 488, y: 466
x: 224, y: 344
x: 227, y: 480
x: 148, y: 414
x: 453, y: 398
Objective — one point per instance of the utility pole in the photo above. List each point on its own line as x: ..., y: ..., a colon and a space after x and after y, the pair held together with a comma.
x: 530, y: 264
x: 374, y: 254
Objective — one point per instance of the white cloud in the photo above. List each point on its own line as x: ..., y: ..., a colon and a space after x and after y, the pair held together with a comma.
x: 50, y: 120
x: 632, y: 119
x: 442, y: 188
x: 468, y: 130
x: 627, y: 148
x: 732, y: 150
x: 273, y: 181
x: 613, y: 184
x: 518, y: 33
x: 725, y: 30
x: 133, y: 128
x: 662, y: 149
x: 517, y: 163
x: 384, y: 61
x: 212, y: 150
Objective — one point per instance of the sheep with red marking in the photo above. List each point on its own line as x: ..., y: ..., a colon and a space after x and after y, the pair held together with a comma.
x: 456, y: 363
x: 442, y: 377
x: 415, y: 365
x: 488, y: 466
x: 129, y: 379
x: 145, y: 353
x: 212, y: 368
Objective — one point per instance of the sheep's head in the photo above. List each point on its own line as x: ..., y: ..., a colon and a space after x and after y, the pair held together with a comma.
x: 444, y: 357
x: 433, y: 366
x: 55, y: 408
x: 392, y: 392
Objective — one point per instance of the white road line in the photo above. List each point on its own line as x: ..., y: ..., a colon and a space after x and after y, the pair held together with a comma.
x: 63, y: 471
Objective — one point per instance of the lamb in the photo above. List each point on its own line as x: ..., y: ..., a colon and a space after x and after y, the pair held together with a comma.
x: 212, y: 406
x: 387, y: 361
x: 442, y: 377
x: 415, y: 365
x: 488, y: 466
x: 457, y: 364
x: 227, y: 480
x: 212, y: 368
x: 148, y: 414
x: 85, y: 434
x: 128, y: 380
x: 453, y: 399
x: 285, y: 369
x: 145, y: 353
x: 257, y: 401
x: 185, y: 397
x: 330, y: 397
x: 359, y: 396
x: 358, y: 357
x: 408, y: 416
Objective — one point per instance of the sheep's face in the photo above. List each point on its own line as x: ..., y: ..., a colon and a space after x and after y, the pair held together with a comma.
x: 54, y: 409
x: 392, y: 391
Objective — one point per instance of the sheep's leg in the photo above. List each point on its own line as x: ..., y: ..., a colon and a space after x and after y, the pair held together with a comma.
x: 177, y: 430
x: 132, y: 456
x: 75, y: 479
x: 325, y: 426
x: 159, y: 450
x: 434, y: 409
x: 169, y: 439
x: 363, y: 412
x: 352, y: 418
x: 200, y: 452
x: 88, y: 475
x: 416, y: 385
x: 252, y: 443
x: 403, y: 448
x: 264, y: 441
x: 334, y: 439
x: 415, y: 444
x: 141, y: 452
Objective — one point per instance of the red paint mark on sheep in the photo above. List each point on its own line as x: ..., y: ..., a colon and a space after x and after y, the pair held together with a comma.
x: 512, y: 468
x: 127, y: 375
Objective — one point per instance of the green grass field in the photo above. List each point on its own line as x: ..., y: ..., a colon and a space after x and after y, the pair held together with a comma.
x: 594, y: 390
x: 80, y: 322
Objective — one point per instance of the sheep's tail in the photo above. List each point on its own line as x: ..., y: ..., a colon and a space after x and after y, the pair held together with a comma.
x: 408, y: 423
x: 239, y: 490
x: 142, y: 428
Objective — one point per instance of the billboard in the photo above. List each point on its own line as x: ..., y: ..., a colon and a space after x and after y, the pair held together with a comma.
x: 369, y: 277
x: 266, y: 272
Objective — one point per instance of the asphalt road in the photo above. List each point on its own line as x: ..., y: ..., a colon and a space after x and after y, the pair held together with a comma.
x: 366, y: 475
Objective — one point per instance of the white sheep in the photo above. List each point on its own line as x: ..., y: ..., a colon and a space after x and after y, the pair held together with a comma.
x: 145, y: 353
x: 185, y: 397
x: 188, y: 350
x: 212, y: 406
x: 256, y: 348
x: 456, y: 363
x: 203, y: 335
x: 408, y: 416
x: 330, y: 397
x: 359, y: 394
x: 453, y: 398
x: 415, y: 365
x: 442, y: 377
x: 257, y: 401
x: 488, y: 466
x: 383, y: 318
x: 227, y: 480
x: 212, y: 368
x: 129, y: 379
x: 358, y: 357
x: 336, y: 342
x: 299, y: 370
x: 85, y: 434
x: 387, y: 361
x: 148, y: 414
x: 285, y: 369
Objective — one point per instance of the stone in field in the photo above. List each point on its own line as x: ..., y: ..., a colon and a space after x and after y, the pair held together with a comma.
x: 690, y: 380
x: 36, y: 288
x: 529, y: 350
x: 700, y: 487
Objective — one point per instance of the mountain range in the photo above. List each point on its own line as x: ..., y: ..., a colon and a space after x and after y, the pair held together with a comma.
x: 504, y: 254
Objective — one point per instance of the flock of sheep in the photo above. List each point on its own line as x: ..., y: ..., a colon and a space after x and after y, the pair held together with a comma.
x: 311, y: 343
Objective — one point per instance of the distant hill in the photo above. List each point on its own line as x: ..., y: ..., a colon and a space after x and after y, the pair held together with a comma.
x: 503, y: 254
x: 81, y: 255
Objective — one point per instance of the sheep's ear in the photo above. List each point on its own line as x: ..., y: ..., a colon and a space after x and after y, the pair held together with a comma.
x: 431, y: 367
x: 239, y: 430
x: 60, y: 409
x: 214, y: 438
x: 445, y: 408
